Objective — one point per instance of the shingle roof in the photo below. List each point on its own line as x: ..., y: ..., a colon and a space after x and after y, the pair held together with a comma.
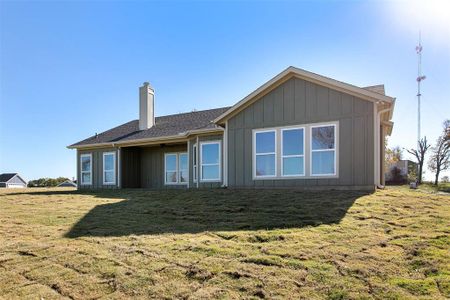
x: 165, y: 126
x: 6, y: 176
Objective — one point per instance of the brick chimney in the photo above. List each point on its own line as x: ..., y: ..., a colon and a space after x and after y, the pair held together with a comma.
x: 146, y: 106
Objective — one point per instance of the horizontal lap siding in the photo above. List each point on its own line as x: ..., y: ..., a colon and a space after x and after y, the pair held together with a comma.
x: 97, y: 169
x: 297, y: 102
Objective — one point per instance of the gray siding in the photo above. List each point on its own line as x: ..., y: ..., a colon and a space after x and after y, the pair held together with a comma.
x: 97, y: 168
x: 297, y: 102
x: 152, y: 166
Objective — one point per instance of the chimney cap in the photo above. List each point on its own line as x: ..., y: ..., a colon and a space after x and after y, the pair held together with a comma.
x: 147, y: 85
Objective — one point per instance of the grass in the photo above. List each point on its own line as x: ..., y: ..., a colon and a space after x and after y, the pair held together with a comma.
x: 60, y: 243
x: 430, y: 187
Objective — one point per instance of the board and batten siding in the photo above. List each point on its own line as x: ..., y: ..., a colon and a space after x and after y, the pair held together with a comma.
x: 97, y: 169
x: 152, y: 166
x: 298, y: 102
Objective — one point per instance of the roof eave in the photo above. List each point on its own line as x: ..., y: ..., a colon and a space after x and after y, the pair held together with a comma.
x: 181, y: 136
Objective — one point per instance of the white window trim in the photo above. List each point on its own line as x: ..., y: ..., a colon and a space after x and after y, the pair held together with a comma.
x: 113, y: 182
x: 292, y: 155
x: 254, y: 154
x: 177, y: 170
x: 307, y: 152
x: 201, y: 164
x: 194, y: 165
x: 81, y: 169
x: 322, y: 150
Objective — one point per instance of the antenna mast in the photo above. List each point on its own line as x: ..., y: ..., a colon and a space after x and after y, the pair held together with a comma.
x: 419, y: 79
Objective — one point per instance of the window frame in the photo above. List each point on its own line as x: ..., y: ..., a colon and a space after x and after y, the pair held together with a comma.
x: 113, y: 153
x: 219, y: 179
x: 81, y: 168
x: 334, y: 125
x: 177, y: 168
x: 194, y: 162
x: 254, y: 154
x: 282, y: 156
x: 307, y: 153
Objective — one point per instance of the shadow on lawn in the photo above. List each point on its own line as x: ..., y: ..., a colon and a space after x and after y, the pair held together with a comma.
x: 157, y: 212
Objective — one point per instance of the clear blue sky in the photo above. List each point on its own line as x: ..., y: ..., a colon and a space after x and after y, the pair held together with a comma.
x: 70, y: 69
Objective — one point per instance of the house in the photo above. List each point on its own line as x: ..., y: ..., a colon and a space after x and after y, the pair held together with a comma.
x: 397, y: 172
x: 12, y: 180
x: 67, y: 183
x: 298, y: 130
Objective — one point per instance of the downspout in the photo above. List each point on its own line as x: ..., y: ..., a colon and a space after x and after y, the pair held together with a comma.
x: 225, y: 156
x: 189, y: 162
x: 378, y: 159
x: 119, y: 169
x: 198, y: 162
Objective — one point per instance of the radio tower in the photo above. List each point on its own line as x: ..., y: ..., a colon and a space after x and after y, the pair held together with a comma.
x: 420, y: 77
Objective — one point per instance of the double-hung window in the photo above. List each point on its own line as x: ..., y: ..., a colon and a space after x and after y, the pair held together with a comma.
x: 86, y: 168
x: 265, y: 153
x: 194, y: 162
x: 323, y: 150
x: 296, y: 151
x: 109, y: 168
x: 293, y: 152
x: 175, y: 168
x: 210, y: 161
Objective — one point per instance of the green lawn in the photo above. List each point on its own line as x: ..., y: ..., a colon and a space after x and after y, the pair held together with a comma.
x: 60, y: 243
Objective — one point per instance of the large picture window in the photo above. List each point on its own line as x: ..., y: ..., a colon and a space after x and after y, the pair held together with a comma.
x: 323, y: 150
x: 293, y: 160
x: 175, y: 168
x: 210, y: 161
x: 265, y: 153
x: 86, y: 168
x: 297, y: 151
x: 109, y: 168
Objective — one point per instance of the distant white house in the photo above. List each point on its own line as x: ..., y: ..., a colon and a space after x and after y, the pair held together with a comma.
x: 12, y: 180
x: 67, y: 183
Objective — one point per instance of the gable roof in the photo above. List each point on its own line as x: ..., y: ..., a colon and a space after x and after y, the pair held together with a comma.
x: 369, y: 93
x: 5, y: 177
x: 178, y: 125
x: 376, y: 88
x: 67, y: 183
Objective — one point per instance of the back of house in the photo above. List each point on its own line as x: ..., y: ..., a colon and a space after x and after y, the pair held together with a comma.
x: 298, y: 130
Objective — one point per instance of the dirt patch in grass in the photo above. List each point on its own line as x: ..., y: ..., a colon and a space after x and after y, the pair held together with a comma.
x: 60, y: 243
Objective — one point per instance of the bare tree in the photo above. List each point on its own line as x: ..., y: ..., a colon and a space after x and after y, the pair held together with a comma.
x: 440, y: 157
x: 419, y: 154
x: 447, y: 130
x: 394, y: 154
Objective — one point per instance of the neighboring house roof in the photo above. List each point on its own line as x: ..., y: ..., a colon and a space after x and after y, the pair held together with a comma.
x: 5, y: 177
x: 165, y: 126
x: 67, y: 183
